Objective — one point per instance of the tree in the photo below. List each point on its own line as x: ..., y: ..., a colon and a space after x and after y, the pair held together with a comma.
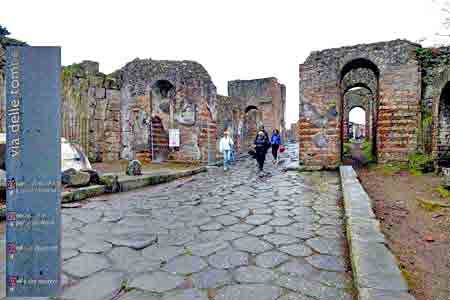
x: 3, y: 31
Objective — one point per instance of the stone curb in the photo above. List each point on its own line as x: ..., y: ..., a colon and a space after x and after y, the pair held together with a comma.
x: 375, y: 270
x: 125, y: 184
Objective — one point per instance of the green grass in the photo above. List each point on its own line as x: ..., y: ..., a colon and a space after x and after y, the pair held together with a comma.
x: 443, y: 192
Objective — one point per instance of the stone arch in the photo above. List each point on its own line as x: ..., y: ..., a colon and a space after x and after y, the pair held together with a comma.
x: 359, y: 73
x: 252, y: 120
x: 439, y: 86
x: 362, y: 108
x: 250, y: 107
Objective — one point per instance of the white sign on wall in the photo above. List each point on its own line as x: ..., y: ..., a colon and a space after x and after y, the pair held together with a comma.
x: 174, y: 137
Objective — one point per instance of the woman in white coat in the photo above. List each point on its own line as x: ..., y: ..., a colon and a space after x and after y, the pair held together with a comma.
x: 225, y: 147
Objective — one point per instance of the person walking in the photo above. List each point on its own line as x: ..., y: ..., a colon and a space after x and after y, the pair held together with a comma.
x: 275, y: 141
x: 261, y: 145
x: 225, y: 147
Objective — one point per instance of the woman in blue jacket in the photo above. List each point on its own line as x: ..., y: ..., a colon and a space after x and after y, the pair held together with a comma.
x: 275, y: 141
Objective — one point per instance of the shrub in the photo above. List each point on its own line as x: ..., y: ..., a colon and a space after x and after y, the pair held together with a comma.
x: 419, y: 162
x: 347, y: 149
x: 367, y: 149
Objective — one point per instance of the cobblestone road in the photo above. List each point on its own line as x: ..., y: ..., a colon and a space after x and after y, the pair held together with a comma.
x: 217, y: 236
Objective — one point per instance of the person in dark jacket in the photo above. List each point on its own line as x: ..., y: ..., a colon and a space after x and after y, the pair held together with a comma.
x: 261, y: 143
x: 275, y: 141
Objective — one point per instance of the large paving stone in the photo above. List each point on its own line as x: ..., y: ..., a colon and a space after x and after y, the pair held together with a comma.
x: 297, y: 230
x: 297, y: 268
x: 178, y: 238
x: 227, y: 220
x: 123, y: 257
x: 96, y: 228
x: 292, y: 296
x: 313, y: 289
x: 88, y: 215
x: 252, y: 245
x: 69, y: 253
x: 241, y: 227
x: 85, y: 265
x: 263, y: 211
x: 241, y: 213
x: 261, y: 230
x: 162, y: 253
x: 158, y: 282
x: 297, y: 250
x: 271, y: 259
x: 249, y: 291
x: 328, y: 263
x: 228, y: 259
x: 187, y: 294
x: 211, y: 278
x: 95, y: 246
x: 139, y: 295
x: 136, y: 241
x: 206, y: 249
x: 229, y: 235
x: 326, y: 246
x: 253, y: 274
x: 211, y: 226
x: 280, y: 239
x: 72, y: 242
x: 258, y: 219
x: 103, y: 285
x: 184, y: 265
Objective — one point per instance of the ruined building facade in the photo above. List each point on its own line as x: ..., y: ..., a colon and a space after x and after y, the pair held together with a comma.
x: 263, y: 102
x: 387, y: 77
x: 128, y: 114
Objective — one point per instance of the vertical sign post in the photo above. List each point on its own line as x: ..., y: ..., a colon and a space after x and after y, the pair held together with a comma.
x: 33, y: 172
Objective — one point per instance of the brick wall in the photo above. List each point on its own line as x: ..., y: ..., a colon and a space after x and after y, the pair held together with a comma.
x: 397, y: 98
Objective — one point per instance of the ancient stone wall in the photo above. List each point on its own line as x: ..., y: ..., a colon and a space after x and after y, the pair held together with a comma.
x: 397, y: 101
x: 267, y: 95
x: 230, y: 115
x: 90, y: 111
x: 180, y: 93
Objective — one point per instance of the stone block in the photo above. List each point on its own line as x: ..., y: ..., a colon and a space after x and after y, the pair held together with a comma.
x: 376, y: 294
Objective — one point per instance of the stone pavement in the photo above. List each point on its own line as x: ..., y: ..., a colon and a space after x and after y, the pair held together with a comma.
x: 218, y: 236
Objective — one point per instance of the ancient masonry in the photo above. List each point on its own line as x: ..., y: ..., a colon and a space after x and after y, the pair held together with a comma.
x: 388, y: 76
x: 128, y: 114
x: 263, y: 102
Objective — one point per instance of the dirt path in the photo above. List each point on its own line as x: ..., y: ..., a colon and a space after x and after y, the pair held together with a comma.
x: 418, y: 235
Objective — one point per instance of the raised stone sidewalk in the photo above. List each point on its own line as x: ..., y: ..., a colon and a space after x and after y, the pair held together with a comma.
x: 375, y: 271
x: 124, y: 183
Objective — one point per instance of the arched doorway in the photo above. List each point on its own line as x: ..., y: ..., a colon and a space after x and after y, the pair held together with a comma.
x: 158, y: 140
x: 443, y: 128
x: 359, y: 94
x: 252, y: 121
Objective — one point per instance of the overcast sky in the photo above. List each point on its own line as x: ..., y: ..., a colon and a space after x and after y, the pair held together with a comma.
x: 232, y: 39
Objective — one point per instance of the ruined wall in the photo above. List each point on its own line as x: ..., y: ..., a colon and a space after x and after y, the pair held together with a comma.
x: 267, y: 94
x: 180, y: 93
x: 435, y: 120
x: 90, y: 111
x: 398, y: 99
x: 230, y: 115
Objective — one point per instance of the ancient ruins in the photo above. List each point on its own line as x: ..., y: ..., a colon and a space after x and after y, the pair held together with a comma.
x: 402, y: 87
x: 128, y: 114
